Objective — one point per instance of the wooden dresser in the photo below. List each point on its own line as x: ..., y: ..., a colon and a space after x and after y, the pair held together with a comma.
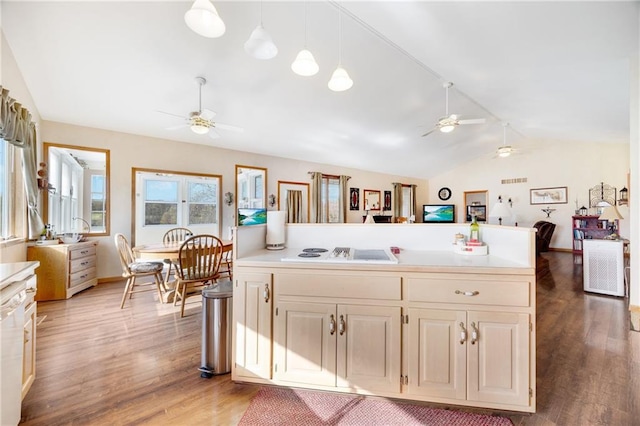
x: 65, y: 269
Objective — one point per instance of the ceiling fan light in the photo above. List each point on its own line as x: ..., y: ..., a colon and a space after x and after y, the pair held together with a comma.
x: 305, y: 64
x: 199, y: 129
x: 504, y: 151
x: 204, y: 20
x: 447, y: 128
x: 260, y: 45
x: 340, y: 80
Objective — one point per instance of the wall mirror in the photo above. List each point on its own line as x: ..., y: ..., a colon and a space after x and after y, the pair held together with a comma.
x: 251, y: 195
x: 371, y: 199
x: 475, y: 202
x: 77, y: 197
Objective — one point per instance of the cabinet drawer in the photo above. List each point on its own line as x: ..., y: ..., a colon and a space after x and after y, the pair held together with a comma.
x: 327, y: 285
x: 81, y: 276
x: 81, y: 264
x: 77, y: 253
x: 442, y: 290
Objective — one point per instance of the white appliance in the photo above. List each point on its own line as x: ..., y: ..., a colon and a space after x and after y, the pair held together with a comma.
x: 12, y: 301
x: 603, y: 266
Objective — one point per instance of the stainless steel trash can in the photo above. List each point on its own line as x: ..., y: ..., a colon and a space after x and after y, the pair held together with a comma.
x: 217, y: 303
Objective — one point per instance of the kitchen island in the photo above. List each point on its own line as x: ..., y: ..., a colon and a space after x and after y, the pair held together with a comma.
x: 435, y: 326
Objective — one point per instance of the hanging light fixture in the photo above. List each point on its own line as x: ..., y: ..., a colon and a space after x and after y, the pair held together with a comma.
x: 260, y: 45
x: 305, y: 64
x: 340, y: 80
x: 504, y: 150
x: 203, y: 19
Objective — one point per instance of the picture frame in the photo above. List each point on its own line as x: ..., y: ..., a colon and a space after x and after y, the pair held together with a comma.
x: 387, y: 200
x: 553, y: 195
x: 477, y: 210
x: 438, y: 213
x: 354, y: 198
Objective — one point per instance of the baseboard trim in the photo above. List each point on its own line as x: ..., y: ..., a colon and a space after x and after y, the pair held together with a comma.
x: 635, y: 317
x: 107, y: 280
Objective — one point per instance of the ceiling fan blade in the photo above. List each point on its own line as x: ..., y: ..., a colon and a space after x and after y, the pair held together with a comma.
x: 174, y: 115
x: 472, y: 121
x: 430, y: 131
x: 179, y: 126
x: 207, y: 114
x: 213, y: 134
x: 228, y: 127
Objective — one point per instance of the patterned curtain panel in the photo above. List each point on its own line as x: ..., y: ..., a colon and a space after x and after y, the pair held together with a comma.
x: 294, y: 206
x: 316, y: 197
x: 397, y: 200
x: 17, y: 128
x: 343, y: 198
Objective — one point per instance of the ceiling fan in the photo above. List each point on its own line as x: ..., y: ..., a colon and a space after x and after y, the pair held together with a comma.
x: 201, y: 121
x: 449, y: 122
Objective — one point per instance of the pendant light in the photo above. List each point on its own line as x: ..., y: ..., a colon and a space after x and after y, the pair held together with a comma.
x: 305, y: 64
x: 504, y: 150
x: 340, y: 80
x: 203, y: 19
x: 260, y: 45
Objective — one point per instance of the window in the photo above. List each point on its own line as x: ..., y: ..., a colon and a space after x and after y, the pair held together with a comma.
x: 170, y: 200
x: 98, y: 194
x: 330, y: 207
x: 65, y: 199
x: 6, y: 188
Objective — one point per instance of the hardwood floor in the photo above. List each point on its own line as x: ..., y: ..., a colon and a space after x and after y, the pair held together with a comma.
x: 100, y: 365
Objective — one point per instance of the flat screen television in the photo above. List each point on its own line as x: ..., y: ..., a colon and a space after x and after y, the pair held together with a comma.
x: 248, y: 217
x: 438, y: 213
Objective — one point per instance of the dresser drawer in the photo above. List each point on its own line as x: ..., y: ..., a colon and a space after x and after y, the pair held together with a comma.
x: 82, y: 263
x: 79, y: 252
x: 338, y: 285
x: 81, y: 277
x: 481, y: 292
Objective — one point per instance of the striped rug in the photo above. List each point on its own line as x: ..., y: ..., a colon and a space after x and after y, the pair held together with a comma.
x: 282, y: 406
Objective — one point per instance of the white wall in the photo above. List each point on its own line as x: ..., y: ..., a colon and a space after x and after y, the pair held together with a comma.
x: 578, y: 166
x: 128, y: 151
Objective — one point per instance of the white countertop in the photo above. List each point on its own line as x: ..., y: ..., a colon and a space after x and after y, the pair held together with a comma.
x: 16, y: 271
x: 409, y: 260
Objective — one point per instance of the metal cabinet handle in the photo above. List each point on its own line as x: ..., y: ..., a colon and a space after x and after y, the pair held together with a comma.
x: 468, y: 293
x: 27, y: 336
x: 332, y: 325
x: 266, y: 293
x: 463, y: 333
x: 342, y: 325
x: 474, y: 333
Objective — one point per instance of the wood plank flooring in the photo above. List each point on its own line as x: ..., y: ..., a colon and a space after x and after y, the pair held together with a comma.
x: 100, y: 365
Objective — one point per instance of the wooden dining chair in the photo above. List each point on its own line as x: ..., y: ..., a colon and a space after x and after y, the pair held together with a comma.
x: 132, y: 269
x: 174, y: 236
x: 226, y: 263
x: 199, y: 261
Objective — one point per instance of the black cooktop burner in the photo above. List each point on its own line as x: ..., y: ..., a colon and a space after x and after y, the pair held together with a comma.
x: 307, y: 254
x: 315, y: 250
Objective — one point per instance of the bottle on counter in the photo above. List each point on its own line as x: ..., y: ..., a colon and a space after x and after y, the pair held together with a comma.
x: 474, y: 230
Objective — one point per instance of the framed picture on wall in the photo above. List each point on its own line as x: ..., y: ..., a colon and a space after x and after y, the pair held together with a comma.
x: 479, y: 211
x: 387, y: 200
x: 555, y: 195
x: 354, y: 198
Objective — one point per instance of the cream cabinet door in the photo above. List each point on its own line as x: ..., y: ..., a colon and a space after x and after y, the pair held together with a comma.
x: 29, y: 360
x: 305, y: 343
x: 437, y: 353
x: 252, y: 301
x: 498, y: 357
x: 369, y: 351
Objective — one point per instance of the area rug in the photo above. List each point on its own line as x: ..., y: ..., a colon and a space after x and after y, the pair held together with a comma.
x: 282, y: 406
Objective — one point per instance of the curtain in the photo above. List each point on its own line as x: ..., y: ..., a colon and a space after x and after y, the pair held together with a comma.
x: 294, y: 206
x: 316, y: 197
x: 413, y: 202
x: 343, y: 199
x: 397, y: 200
x: 17, y: 128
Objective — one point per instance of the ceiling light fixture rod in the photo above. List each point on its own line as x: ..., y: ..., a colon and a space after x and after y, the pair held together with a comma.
x: 339, y: 37
x: 305, y: 24
x: 201, y: 82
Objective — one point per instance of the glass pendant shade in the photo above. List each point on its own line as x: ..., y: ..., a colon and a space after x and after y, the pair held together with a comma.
x: 447, y: 128
x: 203, y: 19
x: 199, y: 129
x: 340, y: 80
x: 305, y: 64
x: 260, y: 45
x: 504, y: 151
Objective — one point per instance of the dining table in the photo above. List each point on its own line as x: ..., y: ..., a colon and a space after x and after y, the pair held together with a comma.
x: 168, y: 251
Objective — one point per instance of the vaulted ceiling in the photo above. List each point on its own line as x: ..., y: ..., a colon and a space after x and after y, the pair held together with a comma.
x: 554, y: 71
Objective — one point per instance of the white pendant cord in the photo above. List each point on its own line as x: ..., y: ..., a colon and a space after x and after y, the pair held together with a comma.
x: 446, y: 102
x: 339, y: 37
x: 305, y: 24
